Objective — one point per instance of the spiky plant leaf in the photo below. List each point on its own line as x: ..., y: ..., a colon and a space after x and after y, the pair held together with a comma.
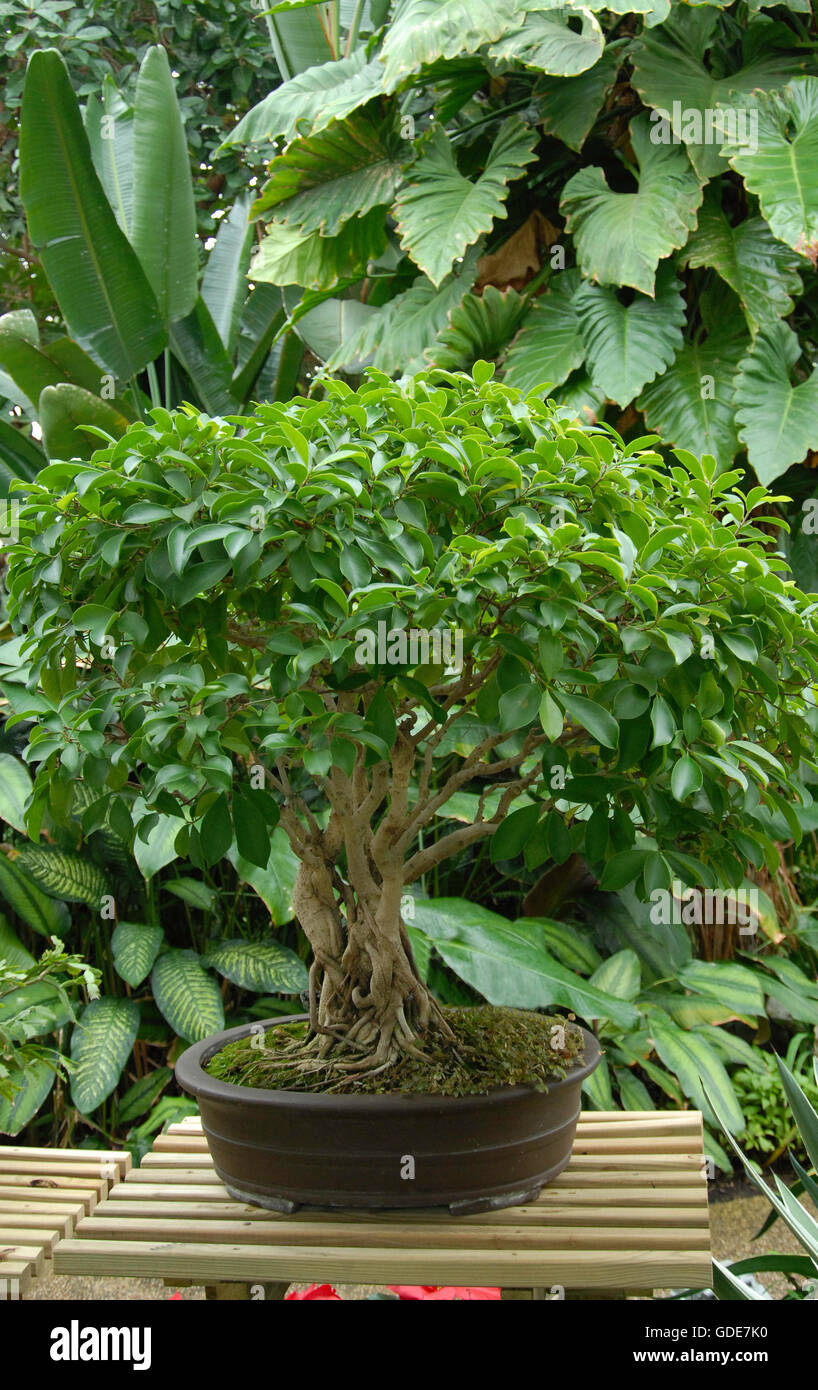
x: 691, y: 404
x: 101, y: 1044
x: 776, y: 420
x: 549, y: 345
x: 620, y: 238
x: 186, y: 995
x: 628, y: 345
x: 345, y: 170
x: 779, y: 164
x: 545, y: 41
x: 440, y: 212
x: 762, y: 271
x: 265, y: 967
x: 61, y: 874
x: 135, y: 946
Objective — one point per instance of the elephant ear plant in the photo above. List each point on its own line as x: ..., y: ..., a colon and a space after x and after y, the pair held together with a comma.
x: 336, y: 615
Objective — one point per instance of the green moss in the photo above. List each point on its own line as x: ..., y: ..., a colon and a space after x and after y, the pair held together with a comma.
x: 495, y: 1047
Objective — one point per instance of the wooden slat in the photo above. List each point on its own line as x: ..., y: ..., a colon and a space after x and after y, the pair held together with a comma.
x: 21, y: 1216
x: 56, y: 1167
x: 21, y: 1253
x: 54, y: 1190
x: 116, y: 1158
x: 206, y: 1263
x: 17, y: 1235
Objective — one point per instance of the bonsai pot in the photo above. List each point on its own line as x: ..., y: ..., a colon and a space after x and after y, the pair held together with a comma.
x: 283, y: 1149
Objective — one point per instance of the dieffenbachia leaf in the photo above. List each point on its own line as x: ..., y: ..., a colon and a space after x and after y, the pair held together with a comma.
x: 779, y: 162
x: 762, y: 271
x: 628, y: 345
x: 691, y: 404
x: 620, y: 238
x: 440, y: 212
x: 323, y: 180
x: 777, y: 420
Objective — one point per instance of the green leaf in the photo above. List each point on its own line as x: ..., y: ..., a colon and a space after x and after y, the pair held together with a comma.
x: 288, y: 256
x: 163, y: 232
x: 32, y: 1010
x: 728, y: 1288
x: 478, y: 327
x: 620, y: 238
x: 187, y: 997
x: 568, y: 106
x: 109, y: 127
x: 440, y: 212
x: 422, y: 31
x: 628, y: 345
x: 262, y: 966
x: 545, y: 41
x: 252, y: 833
x: 196, y: 343
x: 519, y: 707
x: 64, y: 409
x: 600, y: 724
x: 779, y: 165
x: 15, y: 789
x: 12, y: 950
x: 37, y: 910
x: 803, y: 1111
x: 72, y: 877
x: 143, y: 1095
x: 729, y: 983
x: 101, y: 1044
x: 549, y: 345
x: 570, y: 945
x: 158, y: 849
x: 309, y: 101
x: 686, y: 778
x: 217, y: 830
x: 34, y: 1081
x: 691, y: 404
x: 224, y: 283
x: 135, y: 946
x: 513, y: 833
x: 761, y: 270
x: 696, y: 1065
x: 19, y: 457
x: 619, y: 975
x: 507, y: 964
x: 99, y: 284
x: 274, y: 884
x: 192, y: 891
x: 776, y: 420
x: 323, y: 180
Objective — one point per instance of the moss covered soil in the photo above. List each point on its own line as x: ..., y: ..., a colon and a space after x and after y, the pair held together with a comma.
x: 494, y: 1047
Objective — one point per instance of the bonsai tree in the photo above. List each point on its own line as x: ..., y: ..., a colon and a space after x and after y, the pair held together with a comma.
x: 337, y: 615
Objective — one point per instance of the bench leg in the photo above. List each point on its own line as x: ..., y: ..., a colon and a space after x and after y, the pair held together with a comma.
x: 248, y: 1292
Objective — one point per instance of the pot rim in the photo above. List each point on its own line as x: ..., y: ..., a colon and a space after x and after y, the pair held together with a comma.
x: 192, y: 1077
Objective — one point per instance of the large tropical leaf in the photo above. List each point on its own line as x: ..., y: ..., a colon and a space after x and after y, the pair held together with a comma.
x: 398, y: 335
x: 274, y: 884
x: 261, y: 318
x: 19, y: 457
x: 779, y: 163
x: 343, y: 171
x: 508, y: 963
x: 32, y: 1010
x: 762, y: 271
x: 547, y: 42
x: 693, y: 101
x: 109, y: 127
x: 135, y: 946
x: 328, y: 326
x: 62, y: 874
x: 549, y: 345
x: 12, y: 950
x: 64, y: 409
x: 440, y: 212
x: 43, y: 914
x: 197, y: 345
x: 288, y: 256
x: 100, y: 1046
x: 224, y: 282
x: 186, y: 995
x: 422, y: 31
x: 15, y: 789
x: 691, y: 1058
x: 734, y: 986
x: 309, y: 101
x: 620, y: 238
x: 263, y: 966
x: 163, y: 232
x: 776, y: 420
x: 691, y: 404
x: 32, y: 1084
x: 98, y: 282
x: 628, y: 345
x: 568, y: 107
x: 478, y: 327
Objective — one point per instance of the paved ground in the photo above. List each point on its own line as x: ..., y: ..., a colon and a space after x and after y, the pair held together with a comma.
x: 737, y: 1213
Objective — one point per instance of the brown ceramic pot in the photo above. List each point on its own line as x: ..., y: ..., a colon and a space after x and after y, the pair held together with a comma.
x: 283, y: 1149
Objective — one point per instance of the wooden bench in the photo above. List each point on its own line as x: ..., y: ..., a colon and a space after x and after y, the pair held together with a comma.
x: 628, y: 1214
x: 44, y: 1193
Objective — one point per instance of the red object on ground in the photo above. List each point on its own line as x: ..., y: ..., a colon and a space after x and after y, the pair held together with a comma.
x: 429, y: 1292
x: 320, y: 1293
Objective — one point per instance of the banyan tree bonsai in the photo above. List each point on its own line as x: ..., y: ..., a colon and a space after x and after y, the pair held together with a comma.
x: 336, y: 615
